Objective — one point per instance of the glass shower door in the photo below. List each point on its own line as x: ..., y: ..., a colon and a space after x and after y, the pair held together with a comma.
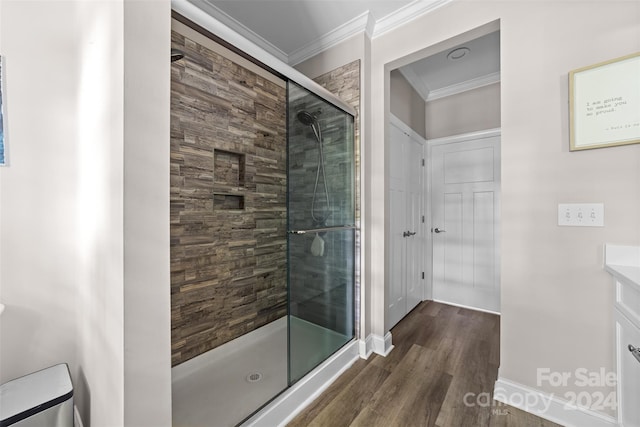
x: 321, y: 230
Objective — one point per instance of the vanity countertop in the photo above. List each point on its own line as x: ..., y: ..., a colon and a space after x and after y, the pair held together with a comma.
x: 623, y: 262
x: 625, y: 273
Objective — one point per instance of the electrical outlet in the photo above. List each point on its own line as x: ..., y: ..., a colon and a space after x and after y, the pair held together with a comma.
x: 581, y: 214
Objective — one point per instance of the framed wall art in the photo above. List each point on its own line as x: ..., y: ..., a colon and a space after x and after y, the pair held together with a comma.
x: 604, y: 104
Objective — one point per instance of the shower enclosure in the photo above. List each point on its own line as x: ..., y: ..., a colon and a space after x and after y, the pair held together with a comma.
x: 321, y: 229
x: 262, y: 231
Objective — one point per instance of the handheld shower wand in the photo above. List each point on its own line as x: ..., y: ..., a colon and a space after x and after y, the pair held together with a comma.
x: 309, y: 119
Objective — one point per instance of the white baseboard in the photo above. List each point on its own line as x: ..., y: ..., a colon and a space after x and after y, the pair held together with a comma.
x: 77, y: 420
x: 382, y: 345
x: 468, y: 307
x: 366, y: 347
x: 548, y: 406
x: 286, y: 406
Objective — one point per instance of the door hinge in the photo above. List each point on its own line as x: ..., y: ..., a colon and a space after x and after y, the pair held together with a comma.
x: 423, y: 219
x: 423, y: 275
x: 422, y: 162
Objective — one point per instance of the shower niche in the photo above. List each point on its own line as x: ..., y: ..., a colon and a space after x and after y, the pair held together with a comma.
x: 228, y: 180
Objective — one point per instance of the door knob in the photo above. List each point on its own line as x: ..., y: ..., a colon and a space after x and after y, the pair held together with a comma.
x: 411, y: 233
x: 635, y: 351
x: 437, y: 230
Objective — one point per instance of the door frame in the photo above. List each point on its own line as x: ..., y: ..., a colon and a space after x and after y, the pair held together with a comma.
x: 395, y: 121
x: 428, y: 250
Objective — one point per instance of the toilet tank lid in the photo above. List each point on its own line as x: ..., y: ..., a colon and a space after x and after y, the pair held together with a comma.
x: 34, y: 393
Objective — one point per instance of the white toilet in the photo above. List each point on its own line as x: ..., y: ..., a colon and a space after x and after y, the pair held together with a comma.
x: 43, y: 398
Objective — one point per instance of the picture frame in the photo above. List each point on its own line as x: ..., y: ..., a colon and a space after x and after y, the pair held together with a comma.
x: 3, y: 115
x: 604, y: 104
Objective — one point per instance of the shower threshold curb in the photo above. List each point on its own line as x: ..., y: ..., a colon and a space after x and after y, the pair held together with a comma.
x: 286, y: 406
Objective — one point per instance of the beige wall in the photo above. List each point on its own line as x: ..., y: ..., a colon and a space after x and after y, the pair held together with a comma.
x: 38, y: 190
x: 470, y: 111
x: 84, y: 203
x: 406, y: 104
x: 98, y: 178
x: 556, y: 299
x: 147, y: 323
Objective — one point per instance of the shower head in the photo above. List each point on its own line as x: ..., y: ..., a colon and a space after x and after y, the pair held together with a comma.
x: 176, y: 55
x: 306, y: 118
x: 311, y: 120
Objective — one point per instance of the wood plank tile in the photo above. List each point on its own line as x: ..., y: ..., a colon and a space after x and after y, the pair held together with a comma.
x: 416, y: 390
x: 346, y: 403
x: 228, y: 132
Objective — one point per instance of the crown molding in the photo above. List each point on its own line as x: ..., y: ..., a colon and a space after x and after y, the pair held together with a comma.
x: 415, y: 82
x: 405, y: 14
x: 463, y: 86
x: 241, y: 29
x: 363, y: 22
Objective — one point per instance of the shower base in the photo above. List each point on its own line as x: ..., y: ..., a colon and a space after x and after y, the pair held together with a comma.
x: 227, y: 384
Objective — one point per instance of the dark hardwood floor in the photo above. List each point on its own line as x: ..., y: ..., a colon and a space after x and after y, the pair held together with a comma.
x: 442, y: 354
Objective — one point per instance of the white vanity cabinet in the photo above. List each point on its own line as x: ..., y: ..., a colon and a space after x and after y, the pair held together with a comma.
x: 627, y: 334
x: 623, y: 262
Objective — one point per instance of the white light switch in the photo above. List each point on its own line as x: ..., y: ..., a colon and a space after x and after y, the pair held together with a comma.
x: 581, y: 214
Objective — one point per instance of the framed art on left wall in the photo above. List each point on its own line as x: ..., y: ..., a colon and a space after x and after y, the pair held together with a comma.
x: 3, y: 121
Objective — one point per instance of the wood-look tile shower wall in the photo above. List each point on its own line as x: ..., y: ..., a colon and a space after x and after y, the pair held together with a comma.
x: 228, y: 200
x: 344, y: 82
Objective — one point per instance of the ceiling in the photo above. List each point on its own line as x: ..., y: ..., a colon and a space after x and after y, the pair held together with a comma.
x: 295, y: 30
x: 466, y: 66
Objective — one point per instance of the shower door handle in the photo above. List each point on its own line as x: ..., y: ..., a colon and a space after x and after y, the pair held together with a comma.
x: 324, y: 229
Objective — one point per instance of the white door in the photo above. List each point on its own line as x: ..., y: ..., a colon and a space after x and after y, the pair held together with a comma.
x: 415, y: 242
x: 465, y: 197
x: 405, y: 200
x: 397, y: 305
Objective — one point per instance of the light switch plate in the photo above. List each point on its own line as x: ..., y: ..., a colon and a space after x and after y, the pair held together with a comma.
x: 581, y: 214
